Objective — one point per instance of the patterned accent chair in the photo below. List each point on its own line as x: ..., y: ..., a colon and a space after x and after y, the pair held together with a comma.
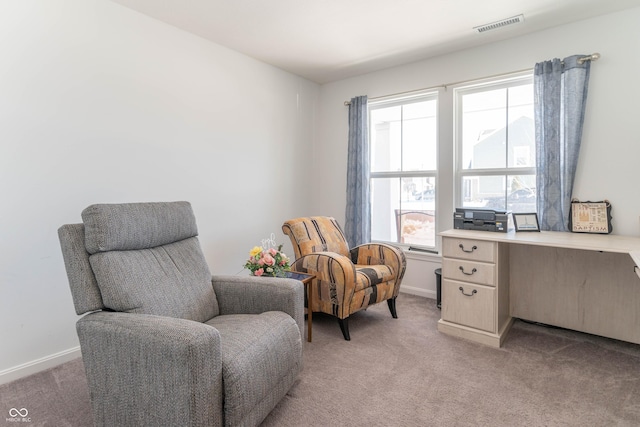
x: 165, y: 343
x: 346, y: 280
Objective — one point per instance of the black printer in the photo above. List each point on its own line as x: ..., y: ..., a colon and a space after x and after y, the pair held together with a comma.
x: 482, y: 219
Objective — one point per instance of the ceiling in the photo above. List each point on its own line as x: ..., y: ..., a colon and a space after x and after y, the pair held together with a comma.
x: 329, y: 40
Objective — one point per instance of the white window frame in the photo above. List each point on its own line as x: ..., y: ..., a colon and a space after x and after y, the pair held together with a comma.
x: 407, y: 98
x: 505, y: 81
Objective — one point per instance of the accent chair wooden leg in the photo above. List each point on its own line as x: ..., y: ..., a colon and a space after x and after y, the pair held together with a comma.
x: 344, y: 327
x: 391, y: 302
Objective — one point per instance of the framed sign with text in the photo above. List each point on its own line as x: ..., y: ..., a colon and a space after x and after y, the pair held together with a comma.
x: 590, y: 217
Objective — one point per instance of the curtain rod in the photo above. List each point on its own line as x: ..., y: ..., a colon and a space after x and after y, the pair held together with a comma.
x: 593, y: 57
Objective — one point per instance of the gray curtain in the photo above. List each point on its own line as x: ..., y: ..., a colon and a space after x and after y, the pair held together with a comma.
x: 560, y: 94
x: 358, y: 215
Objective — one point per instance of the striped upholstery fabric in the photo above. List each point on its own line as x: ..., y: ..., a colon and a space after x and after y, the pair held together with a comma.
x: 372, y: 275
x: 347, y: 280
x: 316, y: 234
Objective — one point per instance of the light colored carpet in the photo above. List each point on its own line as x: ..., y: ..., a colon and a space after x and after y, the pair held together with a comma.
x: 403, y: 372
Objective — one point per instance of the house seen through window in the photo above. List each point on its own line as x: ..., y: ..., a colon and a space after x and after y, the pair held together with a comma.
x: 496, y: 151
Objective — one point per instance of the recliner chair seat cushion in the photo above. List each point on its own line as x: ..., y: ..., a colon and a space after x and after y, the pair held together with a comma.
x: 261, y: 355
x: 370, y: 275
x: 171, y: 280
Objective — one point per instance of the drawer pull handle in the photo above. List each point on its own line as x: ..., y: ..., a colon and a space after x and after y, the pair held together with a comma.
x: 475, y: 291
x: 464, y: 272
x: 473, y: 248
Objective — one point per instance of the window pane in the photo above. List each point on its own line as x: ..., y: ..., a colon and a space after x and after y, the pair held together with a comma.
x: 385, y: 136
x: 522, y: 193
x: 415, y: 221
x: 484, y: 192
x: 385, y: 200
x: 521, y: 128
x: 419, y: 136
x: 484, y: 116
x: 498, y: 128
x: 515, y: 193
x: 403, y: 137
x: 403, y: 210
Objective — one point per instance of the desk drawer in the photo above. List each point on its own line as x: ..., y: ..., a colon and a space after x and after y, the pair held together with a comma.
x: 469, y: 271
x: 476, y: 250
x: 473, y: 306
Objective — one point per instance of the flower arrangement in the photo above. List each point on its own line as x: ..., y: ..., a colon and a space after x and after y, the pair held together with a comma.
x: 267, y: 262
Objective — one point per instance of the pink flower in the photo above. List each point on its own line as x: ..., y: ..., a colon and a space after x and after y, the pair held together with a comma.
x: 268, y: 260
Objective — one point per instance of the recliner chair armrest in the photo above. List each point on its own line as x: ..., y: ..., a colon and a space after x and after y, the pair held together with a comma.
x: 175, y: 364
x: 253, y: 295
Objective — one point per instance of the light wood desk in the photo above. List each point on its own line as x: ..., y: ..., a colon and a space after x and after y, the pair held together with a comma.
x: 585, y: 282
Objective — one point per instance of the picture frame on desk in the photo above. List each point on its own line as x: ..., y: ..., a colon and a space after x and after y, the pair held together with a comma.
x: 526, y: 221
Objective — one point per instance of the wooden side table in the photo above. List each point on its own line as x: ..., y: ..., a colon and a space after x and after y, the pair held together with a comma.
x: 306, y: 280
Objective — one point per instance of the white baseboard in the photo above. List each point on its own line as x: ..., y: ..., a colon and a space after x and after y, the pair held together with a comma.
x: 417, y: 291
x: 38, y: 365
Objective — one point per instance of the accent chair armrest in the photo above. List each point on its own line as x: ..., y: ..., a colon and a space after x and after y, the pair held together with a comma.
x: 253, y: 295
x: 382, y: 254
x: 378, y: 253
x: 175, y: 364
x: 334, y: 271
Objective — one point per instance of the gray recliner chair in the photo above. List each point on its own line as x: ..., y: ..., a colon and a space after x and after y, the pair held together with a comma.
x: 164, y: 342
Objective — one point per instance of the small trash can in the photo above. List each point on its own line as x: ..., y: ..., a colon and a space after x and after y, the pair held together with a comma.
x: 438, y: 287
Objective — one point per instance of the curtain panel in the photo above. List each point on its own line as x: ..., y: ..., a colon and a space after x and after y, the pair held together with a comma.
x: 358, y: 213
x: 560, y: 94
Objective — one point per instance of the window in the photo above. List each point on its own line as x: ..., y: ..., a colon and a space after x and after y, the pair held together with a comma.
x: 495, y: 145
x: 403, y: 140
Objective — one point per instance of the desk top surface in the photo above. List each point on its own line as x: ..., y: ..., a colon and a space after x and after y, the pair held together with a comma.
x: 585, y: 241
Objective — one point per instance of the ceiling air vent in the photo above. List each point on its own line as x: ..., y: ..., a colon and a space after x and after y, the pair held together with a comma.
x: 499, y: 24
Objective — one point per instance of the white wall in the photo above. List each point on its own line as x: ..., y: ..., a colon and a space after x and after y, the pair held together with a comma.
x: 100, y: 104
x: 610, y: 154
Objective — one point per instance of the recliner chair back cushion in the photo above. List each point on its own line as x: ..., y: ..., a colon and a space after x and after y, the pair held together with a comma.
x: 127, y: 226
x: 147, y: 259
x: 316, y: 234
